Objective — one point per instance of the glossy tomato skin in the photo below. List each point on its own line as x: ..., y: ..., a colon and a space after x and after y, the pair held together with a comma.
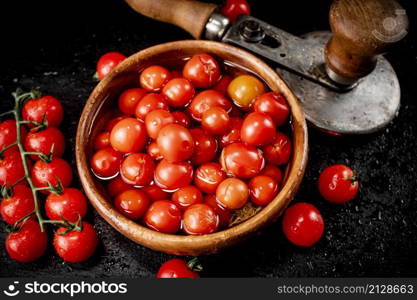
x: 154, y: 78
x: 338, y: 184
x: 274, y: 105
x: 102, y: 140
x: 18, y: 205
x: 163, y: 216
x: 215, y: 121
x: 28, y: 244
x: 303, y: 224
x: 117, y: 186
x: 205, y: 147
x: 11, y: 168
x: 43, y: 172
x: 241, y: 160
x: 178, y: 92
x: 107, y: 63
x: 200, y: 219
x: 48, y: 106
x: 157, y: 119
x: 234, y: 8
x: 233, y: 133
x: 222, y: 84
x: 154, y: 152
x: 182, y: 118
x: 129, y: 99
x: 8, y: 135
x: 175, y: 143
x: 76, y: 246
x: 172, y: 176
x: 273, y: 172
x: 263, y: 190
x: 149, y: 103
x: 69, y: 205
x: 279, y: 151
x: 232, y: 193
x: 206, y: 100
x: 244, y: 89
x: 111, y: 123
x: 105, y: 163
x: 258, y: 129
x: 44, y: 141
x: 128, y: 135
x: 187, y: 196
x: 225, y: 216
x: 202, y: 70
x: 154, y: 192
x: 137, y: 169
x: 132, y: 204
x: 208, y: 176
x: 176, y: 268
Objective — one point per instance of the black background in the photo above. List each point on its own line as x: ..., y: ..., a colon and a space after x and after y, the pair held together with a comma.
x: 54, y: 45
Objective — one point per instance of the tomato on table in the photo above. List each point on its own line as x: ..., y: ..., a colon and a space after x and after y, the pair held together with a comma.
x: 11, y: 168
x: 338, y: 184
x: 18, y: 205
x: 175, y: 143
x: 69, y: 205
x: 44, y: 173
x: 176, y: 268
x: 202, y: 70
x: 258, y: 129
x: 241, y: 160
x: 129, y: 99
x: 200, y: 219
x: 163, y: 216
x: 187, y: 196
x: 132, y: 203
x: 8, y: 135
x: 149, y: 103
x: 154, y: 78
x: 232, y: 193
x: 107, y: 63
x: 172, y: 176
x: 234, y: 8
x: 178, y: 92
x: 105, y: 163
x: 47, y: 141
x: 128, y: 135
x: 208, y: 176
x: 205, y: 147
x: 46, y: 107
x: 274, y: 105
x: 244, y: 89
x: 137, y: 169
x: 279, y: 151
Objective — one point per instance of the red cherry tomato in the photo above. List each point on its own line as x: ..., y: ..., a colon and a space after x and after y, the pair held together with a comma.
x: 222, y: 84
x: 44, y: 141
x: 241, y: 160
x: 154, y: 192
x: 44, y: 173
x: 206, y: 100
x: 163, y: 216
x: 176, y: 268
x: 208, y: 176
x: 132, y: 204
x: 182, y: 118
x: 28, y: 244
x: 338, y: 184
x: 105, y: 163
x: 175, y: 143
x: 303, y: 224
x: 110, y: 124
x: 187, y: 196
x: 258, y: 129
x: 232, y: 193
x: 47, y: 107
x: 154, y: 152
x: 225, y: 216
x: 263, y: 190
x: 279, y: 152
x: 157, y: 119
x: 202, y: 70
x: 205, y: 147
x: 8, y: 135
x: 137, y: 169
x: 11, y: 168
x: 200, y: 219
x: 178, y: 92
x: 172, y: 176
x: 129, y: 99
x: 149, y: 103
x: 234, y: 8
x: 102, y: 140
x: 69, y: 205
x: 244, y: 89
x: 154, y: 78
x: 176, y: 74
x: 273, y: 172
x: 233, y: 133
x: 215, y: 120
x: 117, y: 186
x: 76, y: 246
x: 18, y: 205
x: 274, y: 105
x: 128, y: 135
x: 107, y: 63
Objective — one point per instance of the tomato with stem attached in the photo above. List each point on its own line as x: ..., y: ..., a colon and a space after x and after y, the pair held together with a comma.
x: 53, y: 172
x: 202, y: 70
x: 163, y: 216
x: 105, y: 163
x: 154, y: 78
x: 132, y: 203
x: 128, y: 135
x: 18, y: 205
x: 47, y: 141
x: 69, y: 205
x: 11, y: 168
x: 177, y: 268
x: 8, y: 135
x: 46, y: 107
x: 338, y: 184
x: 107, y: 63
x: 200, y: 219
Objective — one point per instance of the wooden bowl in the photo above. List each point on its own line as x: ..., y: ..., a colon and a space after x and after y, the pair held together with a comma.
x: 125, y: 75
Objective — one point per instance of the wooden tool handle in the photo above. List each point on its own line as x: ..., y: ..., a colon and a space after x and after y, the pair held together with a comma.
x: 192, y: 16
x: 362, y: 29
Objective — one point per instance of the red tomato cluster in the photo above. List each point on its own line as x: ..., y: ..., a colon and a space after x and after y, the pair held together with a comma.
x: 28, y: 242
x: 187, y: 149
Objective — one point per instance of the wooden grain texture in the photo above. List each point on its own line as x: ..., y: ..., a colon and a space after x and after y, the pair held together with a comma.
x: 105, y: 95
x: 362, y: 30
x: 191, y: 16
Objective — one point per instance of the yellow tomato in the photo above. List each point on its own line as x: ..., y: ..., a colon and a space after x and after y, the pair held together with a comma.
x: 244, y: 89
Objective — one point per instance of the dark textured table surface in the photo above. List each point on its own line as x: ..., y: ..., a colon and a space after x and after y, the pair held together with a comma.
x: 55, y: 46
